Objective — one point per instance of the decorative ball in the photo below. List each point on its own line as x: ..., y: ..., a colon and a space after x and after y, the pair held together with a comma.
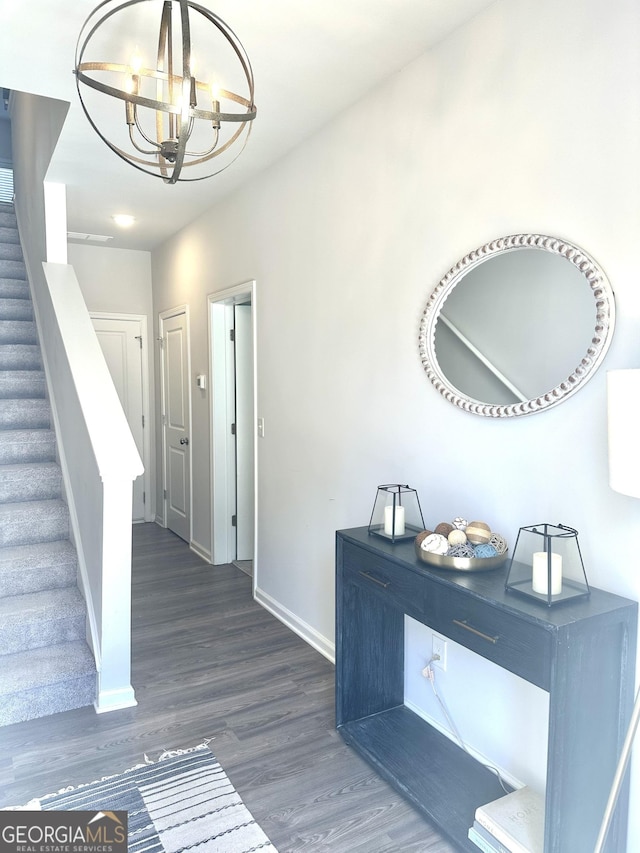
x: 464, y: 550
x: 499, y: 543
x: 485, y: 550
x: 457, y: 537
x: 444, y: 528
x: 422, y: 535
x: 435, y: 544
x: 460, y: 523
x: 478, y: 532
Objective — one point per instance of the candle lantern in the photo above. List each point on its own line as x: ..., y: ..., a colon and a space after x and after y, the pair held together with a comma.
x: 547, y: 566
x: 396, y: 514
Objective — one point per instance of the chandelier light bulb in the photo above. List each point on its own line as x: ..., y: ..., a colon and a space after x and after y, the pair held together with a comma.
x: 173, y: 125
x: 136, y: 62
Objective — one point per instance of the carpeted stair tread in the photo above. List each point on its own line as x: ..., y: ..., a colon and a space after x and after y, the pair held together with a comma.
x: 26, y: 522
x: 18, y: 332
x: 30, y: 481
x: 20, y: 357
x: 22, y: 384
x: 27, y: 445
x: 41, y: 619
x: 10, y: 268
x: 14, y: 288
x: 10, y: 251
x: 45, y: 666
x: 40, y: 682
x: 8, y: 219
x: 51, y: 699
x: 9, y: 234
x: 8, y: 216
x: 24, y: 414
x: 36, y: 567
x: 15, y: 309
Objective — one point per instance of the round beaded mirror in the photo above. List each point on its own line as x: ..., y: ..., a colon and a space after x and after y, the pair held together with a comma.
x: 517, y: 326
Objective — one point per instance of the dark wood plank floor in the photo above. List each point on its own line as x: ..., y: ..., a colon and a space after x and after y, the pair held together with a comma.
x: 208, y: 662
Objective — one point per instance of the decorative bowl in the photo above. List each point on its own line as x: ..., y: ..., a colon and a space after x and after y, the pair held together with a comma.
x: 461, y: 564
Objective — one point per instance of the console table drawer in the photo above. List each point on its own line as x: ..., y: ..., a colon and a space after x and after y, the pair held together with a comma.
x: 393, y: 583
x: 509, y: 641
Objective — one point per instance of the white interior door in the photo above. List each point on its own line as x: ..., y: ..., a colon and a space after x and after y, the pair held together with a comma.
x: 121, y: 341
x: 244, y: 432
x: 176, y: 422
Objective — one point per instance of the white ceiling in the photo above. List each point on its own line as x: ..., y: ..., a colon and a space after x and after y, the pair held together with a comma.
x: 311, y: 59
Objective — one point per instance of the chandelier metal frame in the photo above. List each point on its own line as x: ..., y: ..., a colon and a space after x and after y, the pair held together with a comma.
x: 174, y: 117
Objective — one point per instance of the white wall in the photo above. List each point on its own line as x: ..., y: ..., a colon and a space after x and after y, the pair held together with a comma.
x: 118, y: 281
x: 526, y: 119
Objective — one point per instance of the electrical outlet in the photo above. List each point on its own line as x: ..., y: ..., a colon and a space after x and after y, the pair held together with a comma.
x: 439, y: 649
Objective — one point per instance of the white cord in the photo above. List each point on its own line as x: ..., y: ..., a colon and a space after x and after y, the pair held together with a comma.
x: 431, y: 676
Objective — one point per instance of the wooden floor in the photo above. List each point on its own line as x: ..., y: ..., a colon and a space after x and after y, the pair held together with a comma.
x: 208, y: 662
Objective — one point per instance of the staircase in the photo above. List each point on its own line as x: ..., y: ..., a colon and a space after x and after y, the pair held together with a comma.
x: 45, y: 663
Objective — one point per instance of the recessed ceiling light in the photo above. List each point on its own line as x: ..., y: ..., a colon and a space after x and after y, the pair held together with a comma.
x: 124, y: 220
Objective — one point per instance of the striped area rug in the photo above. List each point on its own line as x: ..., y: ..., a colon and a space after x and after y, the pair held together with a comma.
x: 182, y: 802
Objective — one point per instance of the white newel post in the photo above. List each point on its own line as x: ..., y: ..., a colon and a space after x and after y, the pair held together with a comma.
x: 114, y: 679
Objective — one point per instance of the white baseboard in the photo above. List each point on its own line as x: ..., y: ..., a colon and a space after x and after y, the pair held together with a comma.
x: 507, y: 777
x: 297, y: 625
x: 201, y: 551
x: 240, y: 564
x: 114, y: 700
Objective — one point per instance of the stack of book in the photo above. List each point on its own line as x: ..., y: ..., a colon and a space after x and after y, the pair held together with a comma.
x: 512, y: 824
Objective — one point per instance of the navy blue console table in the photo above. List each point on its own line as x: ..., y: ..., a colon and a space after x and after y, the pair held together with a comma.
x: 582, y: 654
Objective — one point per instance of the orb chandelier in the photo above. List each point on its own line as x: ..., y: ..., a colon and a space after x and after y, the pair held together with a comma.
x: 153, y: 105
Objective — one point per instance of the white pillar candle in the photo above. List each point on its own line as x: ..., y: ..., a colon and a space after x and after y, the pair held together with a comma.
x: 540, y: 574
x: 388, y: 521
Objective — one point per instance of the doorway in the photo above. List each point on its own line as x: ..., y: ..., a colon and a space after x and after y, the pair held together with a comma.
x: 233, y: 426
x: 176, y: 420
x: 123, y: 339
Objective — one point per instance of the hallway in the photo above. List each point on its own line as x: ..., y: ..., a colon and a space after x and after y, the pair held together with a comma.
x: 208, y: 662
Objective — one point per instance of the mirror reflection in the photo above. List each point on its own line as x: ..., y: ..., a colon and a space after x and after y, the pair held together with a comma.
x: 515, y: 326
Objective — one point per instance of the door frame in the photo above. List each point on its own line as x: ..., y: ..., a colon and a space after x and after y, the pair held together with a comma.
x: 244, y: 409
x: 162, y: 317
x: 143, y: 319
x: 219, y: 438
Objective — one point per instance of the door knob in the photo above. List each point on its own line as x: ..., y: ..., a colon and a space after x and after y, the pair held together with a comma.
x: 184, y: 441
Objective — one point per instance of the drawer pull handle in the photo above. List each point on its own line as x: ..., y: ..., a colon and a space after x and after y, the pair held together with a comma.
x: 467, y: 627
x: 383, y: 584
